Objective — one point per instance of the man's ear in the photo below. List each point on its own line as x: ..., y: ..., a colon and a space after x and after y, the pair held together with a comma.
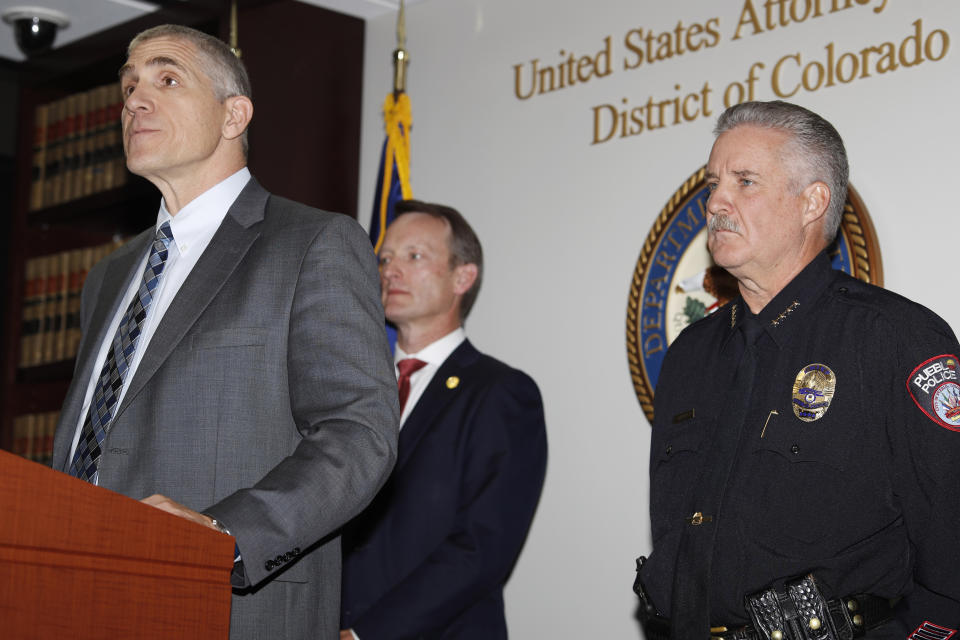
x: 816, y: 199
x: 464, y: 276
x: 239, y: 112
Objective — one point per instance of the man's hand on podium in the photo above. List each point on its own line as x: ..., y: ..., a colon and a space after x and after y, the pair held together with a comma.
x: 166, y: 504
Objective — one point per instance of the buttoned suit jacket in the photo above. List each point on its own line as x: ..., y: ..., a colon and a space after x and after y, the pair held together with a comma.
x: 429, y: 557
x: 266, y: 398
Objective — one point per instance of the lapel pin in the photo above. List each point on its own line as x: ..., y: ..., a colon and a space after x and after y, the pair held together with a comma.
x: 453, y: 382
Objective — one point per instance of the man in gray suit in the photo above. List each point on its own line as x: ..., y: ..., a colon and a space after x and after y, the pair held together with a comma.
x: 234, y: 367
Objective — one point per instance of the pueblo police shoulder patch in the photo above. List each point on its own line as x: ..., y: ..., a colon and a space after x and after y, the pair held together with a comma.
x: 934, y: 387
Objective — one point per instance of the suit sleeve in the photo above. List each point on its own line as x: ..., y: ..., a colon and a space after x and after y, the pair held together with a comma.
x: 500, y: 488
x: 343, y: 398
x: 926, y: 450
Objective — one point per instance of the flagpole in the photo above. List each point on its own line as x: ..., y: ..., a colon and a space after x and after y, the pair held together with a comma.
x: 234, y: 37
x: 400, y: 56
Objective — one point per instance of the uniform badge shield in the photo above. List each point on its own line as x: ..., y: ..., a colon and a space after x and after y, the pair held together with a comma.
x: 935, y: 388
x: 813, y: 391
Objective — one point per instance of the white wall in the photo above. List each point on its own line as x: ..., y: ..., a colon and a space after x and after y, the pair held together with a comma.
x: 562, y: 222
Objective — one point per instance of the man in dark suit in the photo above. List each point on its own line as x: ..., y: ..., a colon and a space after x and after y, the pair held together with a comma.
x: 429, y: 557
x: 234, y: 367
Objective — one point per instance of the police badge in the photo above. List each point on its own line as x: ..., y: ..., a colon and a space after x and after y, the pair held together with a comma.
x: 813, y: 391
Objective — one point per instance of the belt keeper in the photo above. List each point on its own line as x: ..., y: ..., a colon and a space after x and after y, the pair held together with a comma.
x: 766, y: 614
x: 813, y: 620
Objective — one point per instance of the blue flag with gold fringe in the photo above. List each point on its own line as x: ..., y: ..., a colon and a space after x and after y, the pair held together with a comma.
x: 393, y: 178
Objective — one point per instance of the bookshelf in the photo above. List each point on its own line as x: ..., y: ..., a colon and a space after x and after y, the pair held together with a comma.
x: 72, y: 223
x: 68, y: 212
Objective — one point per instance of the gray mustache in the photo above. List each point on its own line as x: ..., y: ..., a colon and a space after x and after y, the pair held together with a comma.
x: 722, y: 222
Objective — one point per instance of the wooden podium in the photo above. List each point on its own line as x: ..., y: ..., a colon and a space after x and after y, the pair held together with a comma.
x: 78, y: 561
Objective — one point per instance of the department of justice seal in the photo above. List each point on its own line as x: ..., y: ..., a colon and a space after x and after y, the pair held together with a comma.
x: 676, y: 283
x: 813, y: 391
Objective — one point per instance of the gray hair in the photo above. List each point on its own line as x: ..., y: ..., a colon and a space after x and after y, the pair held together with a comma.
x: 226, y: 72
x: 814, y: 142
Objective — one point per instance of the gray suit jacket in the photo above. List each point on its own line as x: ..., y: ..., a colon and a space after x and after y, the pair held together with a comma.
x: 266, y: 398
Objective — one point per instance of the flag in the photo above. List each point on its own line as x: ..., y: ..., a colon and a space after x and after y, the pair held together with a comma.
x: 393, y: 179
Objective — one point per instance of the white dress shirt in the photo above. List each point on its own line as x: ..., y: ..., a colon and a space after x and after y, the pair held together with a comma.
x: 192, y: 228
x: 434, y: 354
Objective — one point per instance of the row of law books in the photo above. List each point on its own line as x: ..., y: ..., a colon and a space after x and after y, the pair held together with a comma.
x: 33, y: 435
x: 78, y: 148
x: 50, y: 329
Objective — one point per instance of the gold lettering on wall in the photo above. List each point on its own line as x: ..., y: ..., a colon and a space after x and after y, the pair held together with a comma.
x: 538, y: 79
x: 625, y: 120
x: 792, y: 73
x: 785, y: 75
x: 777, y: 14
x: 647, y: 46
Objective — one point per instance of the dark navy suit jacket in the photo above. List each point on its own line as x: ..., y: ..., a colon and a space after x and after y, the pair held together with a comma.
x: 429, y: 557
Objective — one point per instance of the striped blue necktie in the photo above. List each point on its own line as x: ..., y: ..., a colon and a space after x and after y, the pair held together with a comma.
x: 86, y: 459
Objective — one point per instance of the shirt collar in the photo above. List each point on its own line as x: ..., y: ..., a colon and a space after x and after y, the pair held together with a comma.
x: 781, y: 314
x: 437, y: 351
x: 202, y: 216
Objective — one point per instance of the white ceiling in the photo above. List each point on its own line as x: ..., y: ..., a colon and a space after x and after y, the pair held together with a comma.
x: 90, y: 16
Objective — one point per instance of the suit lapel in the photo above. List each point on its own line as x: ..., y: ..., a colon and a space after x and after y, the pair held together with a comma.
x: 222, y: 256
x: 116, y: 280
x: 435, y: 399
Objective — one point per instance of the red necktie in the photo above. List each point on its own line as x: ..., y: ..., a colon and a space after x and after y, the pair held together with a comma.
x: 407, y: 367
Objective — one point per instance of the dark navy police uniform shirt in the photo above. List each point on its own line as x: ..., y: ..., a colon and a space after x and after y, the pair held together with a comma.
x: 866, y: 496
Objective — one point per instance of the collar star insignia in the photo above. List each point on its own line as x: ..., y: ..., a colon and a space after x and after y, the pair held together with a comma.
x: 783, y: 314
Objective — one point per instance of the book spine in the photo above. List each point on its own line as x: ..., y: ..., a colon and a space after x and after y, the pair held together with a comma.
x: 79, y: 265
x: 80, y: 145
x: 116, y: 166
x: 51, y: 308
x: 29, y: 326
x: 59, y: 349
x: 100, y: 140
x: 43, y: 452
x: 69, y: 145
x: 39, y: 157
x: 51, y: 184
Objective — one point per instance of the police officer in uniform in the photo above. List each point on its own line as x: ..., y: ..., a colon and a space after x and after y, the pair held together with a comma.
x: 805, y: 453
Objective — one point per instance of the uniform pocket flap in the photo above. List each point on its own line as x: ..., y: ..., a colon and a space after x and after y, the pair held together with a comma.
x: 676, y: 439
x: 803, y: 444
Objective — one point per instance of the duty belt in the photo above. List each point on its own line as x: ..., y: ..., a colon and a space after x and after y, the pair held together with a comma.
x: 795, y: 611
